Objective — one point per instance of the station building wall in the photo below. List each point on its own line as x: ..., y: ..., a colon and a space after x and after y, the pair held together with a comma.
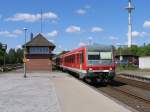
x: 144, y: 62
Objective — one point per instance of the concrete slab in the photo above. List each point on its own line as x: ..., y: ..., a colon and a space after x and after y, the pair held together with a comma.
x: 75, y: 96
x: 34, y: 94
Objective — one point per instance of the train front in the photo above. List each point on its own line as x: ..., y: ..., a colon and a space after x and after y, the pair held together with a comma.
x: 100, y: 63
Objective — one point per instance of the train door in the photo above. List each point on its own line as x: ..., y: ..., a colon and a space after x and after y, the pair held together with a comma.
x: 81, y: 60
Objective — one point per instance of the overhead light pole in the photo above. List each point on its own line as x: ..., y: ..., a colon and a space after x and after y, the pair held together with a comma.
x: 25, y: 52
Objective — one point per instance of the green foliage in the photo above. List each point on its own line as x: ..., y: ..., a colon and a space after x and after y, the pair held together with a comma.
x: 126, y: 67
x: 135, y: 50
x: 1, y: 54
x: 19, y: 55
x: 12, y: 57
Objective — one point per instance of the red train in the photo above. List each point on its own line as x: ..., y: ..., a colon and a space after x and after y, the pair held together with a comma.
x: 91, y: 63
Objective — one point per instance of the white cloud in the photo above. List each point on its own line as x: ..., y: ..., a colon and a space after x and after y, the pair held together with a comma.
x: 51, y: 41
x: 82, y: 44
x: 146, y: 24
x: 60, y: 46
x: 139, y: 34
x: 27, y: 17
x: 113, y: 38
x: 118, y: 44
x: 81, y: 11
x: 73, y: 29
x: 17, y: 31
x: 14, y: 33
x: 84, y: 10
x: 135, y: 34
x: 96, y: 29
x: 90, y: 38
x: 87, y: 6
x: 54, y: 21
x: 18, y: 46
x: 53, y: 33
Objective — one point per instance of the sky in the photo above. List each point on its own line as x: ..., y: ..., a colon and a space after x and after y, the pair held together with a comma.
x: 73, y: 23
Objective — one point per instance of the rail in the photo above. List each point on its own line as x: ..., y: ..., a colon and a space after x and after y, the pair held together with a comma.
x: 135, y: 77
x: 9, y: 67
x: 126, y: 92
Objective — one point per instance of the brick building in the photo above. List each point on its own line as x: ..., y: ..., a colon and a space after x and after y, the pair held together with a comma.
x: 39, y: 53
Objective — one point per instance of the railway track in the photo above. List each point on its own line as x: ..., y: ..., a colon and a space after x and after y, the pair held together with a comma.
x: 126, y: 92
x: 131, y: 101
x: 133, y: 93
x: 136, y: 83
x: 10, y: 67
x: 133, y: 96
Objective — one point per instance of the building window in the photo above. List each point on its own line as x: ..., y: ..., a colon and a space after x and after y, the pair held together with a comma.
x: 39, y: 50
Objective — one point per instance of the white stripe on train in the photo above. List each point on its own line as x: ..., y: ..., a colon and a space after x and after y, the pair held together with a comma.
x: 83, y: 71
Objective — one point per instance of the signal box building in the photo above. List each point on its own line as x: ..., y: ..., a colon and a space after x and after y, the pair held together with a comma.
x: 39, y: 54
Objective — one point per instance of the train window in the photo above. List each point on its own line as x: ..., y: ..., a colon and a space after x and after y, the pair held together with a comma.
x: 78, y: 58
x: 93, y: 55
x: 106, y: 55
x: 81, y: 58
x: 73, y: 58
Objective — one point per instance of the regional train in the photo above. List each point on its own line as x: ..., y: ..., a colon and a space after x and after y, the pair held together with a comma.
x: 93, y: 63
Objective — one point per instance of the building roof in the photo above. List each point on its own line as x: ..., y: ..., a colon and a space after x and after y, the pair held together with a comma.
x: 125, y: 52
x: 40, y: 41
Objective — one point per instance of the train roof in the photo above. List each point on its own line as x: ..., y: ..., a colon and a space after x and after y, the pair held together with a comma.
x: 97, y: 47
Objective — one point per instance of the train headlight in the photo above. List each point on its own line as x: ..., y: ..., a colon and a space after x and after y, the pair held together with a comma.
x: 110, y: 68
x: 90, y: 69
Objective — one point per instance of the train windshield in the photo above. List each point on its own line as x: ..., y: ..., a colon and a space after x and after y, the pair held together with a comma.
x: 99, y: 58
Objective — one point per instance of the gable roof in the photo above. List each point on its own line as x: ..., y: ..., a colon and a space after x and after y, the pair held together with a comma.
x: 40, y: 41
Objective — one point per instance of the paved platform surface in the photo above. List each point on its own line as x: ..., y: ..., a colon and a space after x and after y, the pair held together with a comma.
x: 137, y: 73
x: 75, y: 96
x: 51, y: 92
x: 34, y: 94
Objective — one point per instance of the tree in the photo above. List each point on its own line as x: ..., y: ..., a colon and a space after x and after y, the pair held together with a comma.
x: 12, y: 56
x: 1, y: 55
x: 134, y: 50
x: 19, y: 55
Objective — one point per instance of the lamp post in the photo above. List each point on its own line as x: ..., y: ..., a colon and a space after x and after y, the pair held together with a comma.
x: 25, y: 51
x: 4, y: 47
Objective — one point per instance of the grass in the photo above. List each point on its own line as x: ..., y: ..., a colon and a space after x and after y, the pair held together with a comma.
x: 122, y: 68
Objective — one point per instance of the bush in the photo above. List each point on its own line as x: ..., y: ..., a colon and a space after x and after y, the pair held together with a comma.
x: 126, y: 67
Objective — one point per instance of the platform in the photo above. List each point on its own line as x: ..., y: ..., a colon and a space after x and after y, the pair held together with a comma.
x: 52, y: 92
x: 145, y: 76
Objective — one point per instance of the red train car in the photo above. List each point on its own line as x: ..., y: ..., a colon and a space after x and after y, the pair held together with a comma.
x: 92, y: 63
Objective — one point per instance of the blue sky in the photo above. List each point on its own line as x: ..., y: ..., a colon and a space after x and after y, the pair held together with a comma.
x: 72, y: 23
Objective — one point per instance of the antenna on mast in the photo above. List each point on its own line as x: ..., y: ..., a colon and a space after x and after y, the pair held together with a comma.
x: 41, y: 21
x: 129, y: 9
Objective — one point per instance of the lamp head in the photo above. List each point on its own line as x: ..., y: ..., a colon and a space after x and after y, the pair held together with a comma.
x: 25, y: 28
